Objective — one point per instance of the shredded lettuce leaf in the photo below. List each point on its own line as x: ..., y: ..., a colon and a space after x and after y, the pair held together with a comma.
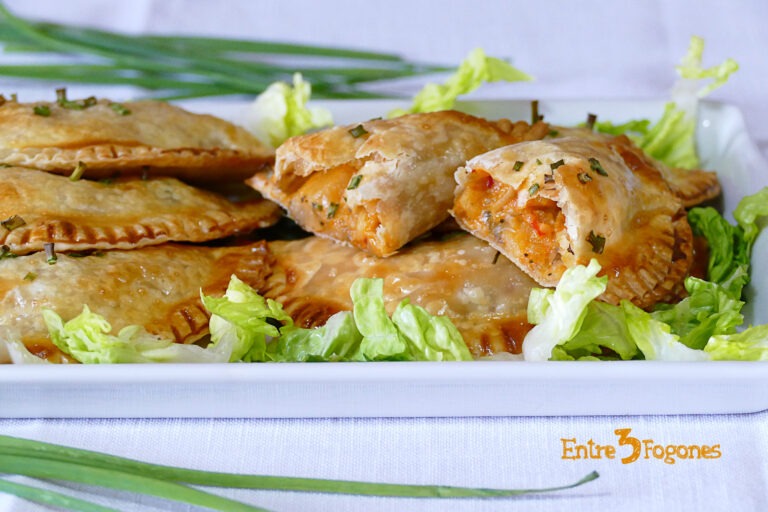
x: 242, y: 320
x: 338, y: 340
x: 559, y: 314
x: 655, y: 339
x: 709, y: 309
x: 476, y: 69
x: 281, y: 112
x: 672, y: 139
x: 748, y: 345
x: 88, y: 339
x: 367, y: 333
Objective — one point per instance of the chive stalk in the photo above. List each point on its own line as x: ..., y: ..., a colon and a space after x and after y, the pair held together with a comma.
x: 48, y: 497
x: 46, y: 453
x: 196, y: 66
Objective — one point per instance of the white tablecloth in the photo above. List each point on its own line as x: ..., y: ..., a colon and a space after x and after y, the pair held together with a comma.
x: 575, y: 50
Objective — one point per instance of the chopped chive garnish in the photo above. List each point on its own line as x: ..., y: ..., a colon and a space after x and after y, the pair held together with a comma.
x: 557, y: 164
x: 50, y: 253
x: 61, y: 99
x: 538, y: 162
x: 591, y: 119
x: 317, y: 206
x: 78, y: 172
x: 332, y: 209
x: 597, y: 242
x: 14, y: 97
x: 5, y: 252
x: 518, y: 165
x: 13, y: 222
x: 535, y: 117
x: 533, y: 189
x: 119, y: 109
x: 554, y: 133
x: 584, y: 177
x: 30, y: 276
x: 355, y: 181
x: 594, y: 164
x: 549, y: 178
x: 358, y: 131
x: 42, y: 110
x: 495, y: 257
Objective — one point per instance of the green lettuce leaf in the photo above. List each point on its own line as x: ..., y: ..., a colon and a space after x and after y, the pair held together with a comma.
x: 747, y: 213
x: 709, y: 309
x: 603, y: 336
x: 672, y: 139
x: 429, y: 337
x: 728, y: 250
x: 655, y: 339
x: 559, y: 314
x: 281, y: 112
x: 381, y: 338
x: 634, y: 128
x: 337, y: 340
x: 88, y: 339
x: 253, y: 328
x: 476, y: 69
x: 242, y: 320
x: 748, y: 345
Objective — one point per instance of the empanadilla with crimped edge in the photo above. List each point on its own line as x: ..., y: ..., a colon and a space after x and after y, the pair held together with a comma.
x: 154, y: 287
x: 550, y: 205
x: 127, y: 213
x: 691, y: 186
x: 141, y: 138
x: 461, y: 277
x: 381, y: 183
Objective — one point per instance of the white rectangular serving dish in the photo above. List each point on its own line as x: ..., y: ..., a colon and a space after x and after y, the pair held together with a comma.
x: 498, y: 388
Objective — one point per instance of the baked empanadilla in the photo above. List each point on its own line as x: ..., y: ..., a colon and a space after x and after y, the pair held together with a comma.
x: 155, y: 287
x: 379, y: 184
x: 38, y: 208
x: 549, y: 205
x: 151, y: 138
x: 458, y: 276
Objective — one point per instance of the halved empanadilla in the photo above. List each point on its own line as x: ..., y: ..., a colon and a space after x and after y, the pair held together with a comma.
x: 461, y: 277
x: 38, y: 208
x: 155, y: 287
x: 381, y: 183
x: 549, y: 205
x: 691, y: 186
x: 133, y: 138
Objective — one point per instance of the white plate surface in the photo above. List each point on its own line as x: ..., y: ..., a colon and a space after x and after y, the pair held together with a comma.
x: 433, y: 389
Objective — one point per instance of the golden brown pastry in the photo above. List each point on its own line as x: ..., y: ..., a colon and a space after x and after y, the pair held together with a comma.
x: 549, y: 205
x: 483, y: 293
x: 38, y: 208
x: 132, y: 138
x: 381, y: 183
x: 691, y: 186
x: 155, y: 287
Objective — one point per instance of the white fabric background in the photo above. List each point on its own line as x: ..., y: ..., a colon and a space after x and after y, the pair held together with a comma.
x: 594, y: 49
